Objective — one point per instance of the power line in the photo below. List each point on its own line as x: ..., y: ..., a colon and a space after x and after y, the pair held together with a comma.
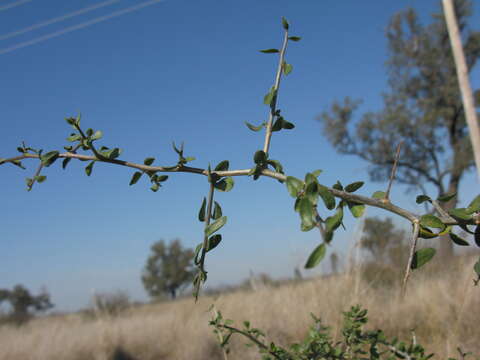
x: 78, y: 26
x: 57, y: 19
x: 14, y: 4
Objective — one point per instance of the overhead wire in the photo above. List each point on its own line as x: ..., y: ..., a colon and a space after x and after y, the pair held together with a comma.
x: 78, y: 26
x: 57, y: 19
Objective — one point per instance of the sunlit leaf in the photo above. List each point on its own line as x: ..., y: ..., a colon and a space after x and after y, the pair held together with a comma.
x: 421, y: 257
x: 253, y: 127
x: 316, y: 256
x: 268, y: 98
x: 460, y: 214
x: 49, y: 158
x: 431, y: 221
x: 294, y: 185
x: 446, y: 197
x: 334, y: 221
x: 379, y: 195
x: 287, y: 68
x: 356, y: 209
x: 40, y: 178
x: 98, y: 135
x: 305, y: 209
x: 474, y: 206
x: 226, y: 184
x: 215, y: 226
x: 327, y: 197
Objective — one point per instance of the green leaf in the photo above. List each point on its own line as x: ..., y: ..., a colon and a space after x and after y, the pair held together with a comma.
x: 422, y: 198
x: 447, y: 197
x: 334, y: 221
x: 189, y: 158
x: 338, y: 186
x: 285, y: 23
x: 197, y: 252
x: 287, y: 68
x: 40, y: 178
x: 74, y: 137
x: 354, y: 186
x: 460, y: 214
x: 317, y: 172
x: 431, y: 221
x: 70, y: 121
x: 222, y: 166
x: 89, y: 132
x: 253, y: 127
x: 98, y: 135
x: 276, y: 165
x: 476, y: 267
x: 112, y: 153
x: 277, y: 125
x: 474, y: 206
x: 226, y: 184
x: 305, y: 209
x: 379, y: 195
x: 89, y: 167
x: 356, y: 209
x: 201, y: 213
x: 311, y: 193
x: 421, y: 257
x: 294, y: 186
x: 268, y: 98
x: 149, y: 161
x: 327, y: 197
x: 65, y: 162
x: 316, y: 256
x: 136, y: 176
x: 260, y: 157
x: 49, y: 158
x: 425, y: 233
x: 269, y: 51
x: 217, y: 211
x: 458, y: 240
x: 155, y: 187
x: 29, y: 182
x: 215, y: 226
x: 18, y: 163
x: 213, y: 241
x: 294, y: 38
x: 162, y: 178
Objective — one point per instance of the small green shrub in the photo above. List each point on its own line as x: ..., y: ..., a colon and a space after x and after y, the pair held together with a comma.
x: 355, y: 342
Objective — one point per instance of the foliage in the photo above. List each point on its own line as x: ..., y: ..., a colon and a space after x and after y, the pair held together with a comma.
x: 23, y: 304
x: 355, y: 343
x: 315, y: 202
x: 384, y: 242
x: 422, y: 108
x: 168, y: 269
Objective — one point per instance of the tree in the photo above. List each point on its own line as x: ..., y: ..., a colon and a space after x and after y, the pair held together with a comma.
x: 422, y: 108
x: 384, y: 242
x: 168, y: 269
x: 22, y: 302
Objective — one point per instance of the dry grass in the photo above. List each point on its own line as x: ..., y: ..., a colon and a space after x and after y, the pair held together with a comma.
x: 443, y: 310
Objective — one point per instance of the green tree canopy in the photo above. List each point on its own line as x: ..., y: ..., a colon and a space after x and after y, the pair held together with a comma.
x: 168, y: 269
x: 422, y: 107
x: 23, y: 302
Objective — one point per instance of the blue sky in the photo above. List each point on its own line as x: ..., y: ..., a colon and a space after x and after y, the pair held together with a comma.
x: 176, y: 70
